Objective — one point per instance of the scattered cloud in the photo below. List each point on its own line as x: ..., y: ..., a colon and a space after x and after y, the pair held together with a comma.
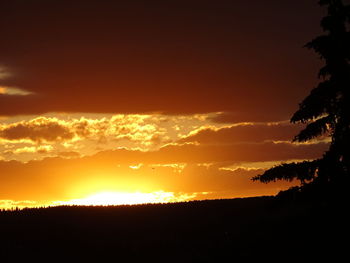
x: 177, y: 167
x: 137, y: 128
x: 41, y: 149
x: 38, y: 130
x: 88, y: 135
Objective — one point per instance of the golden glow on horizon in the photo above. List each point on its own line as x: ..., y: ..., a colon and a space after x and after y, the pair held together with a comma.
x: 106, y: 198
x: 87, y: 159
x: 124, y: 198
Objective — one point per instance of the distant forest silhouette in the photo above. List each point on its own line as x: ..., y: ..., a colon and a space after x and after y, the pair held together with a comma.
x: 326, y: 112
x: 236, y: 230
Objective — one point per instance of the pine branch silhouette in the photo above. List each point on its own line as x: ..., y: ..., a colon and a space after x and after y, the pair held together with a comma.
x: 325, y: 111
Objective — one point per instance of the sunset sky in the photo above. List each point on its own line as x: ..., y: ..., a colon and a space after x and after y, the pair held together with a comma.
x: 150, y: 100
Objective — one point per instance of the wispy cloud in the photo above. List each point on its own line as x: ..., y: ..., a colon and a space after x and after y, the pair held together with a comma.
x: 14, y: 91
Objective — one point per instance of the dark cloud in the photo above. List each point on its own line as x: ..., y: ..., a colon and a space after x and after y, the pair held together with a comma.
x: 253, y: 115
x: 37, y: 130
x: 239, y: 152
x: 245, y: 133
x: 165, y: 56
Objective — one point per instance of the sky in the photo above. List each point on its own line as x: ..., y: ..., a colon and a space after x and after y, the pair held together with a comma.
x: 151, y: 100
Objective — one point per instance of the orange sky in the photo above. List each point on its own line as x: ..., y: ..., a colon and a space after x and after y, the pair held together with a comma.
x: 191, y: 98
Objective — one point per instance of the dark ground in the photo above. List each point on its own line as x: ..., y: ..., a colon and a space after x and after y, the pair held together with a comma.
x: 233, y: 230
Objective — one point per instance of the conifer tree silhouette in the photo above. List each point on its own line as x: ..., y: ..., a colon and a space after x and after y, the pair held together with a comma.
x: 326, y: 110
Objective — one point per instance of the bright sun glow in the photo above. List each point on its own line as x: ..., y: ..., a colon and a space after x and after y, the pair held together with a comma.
x: 124, y: 198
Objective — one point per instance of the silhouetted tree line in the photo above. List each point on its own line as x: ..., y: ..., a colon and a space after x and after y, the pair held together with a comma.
x: 247, y: 229
x: 326, y: 110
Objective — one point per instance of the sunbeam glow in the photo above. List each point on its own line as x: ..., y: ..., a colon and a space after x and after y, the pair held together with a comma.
x: 124, y: 198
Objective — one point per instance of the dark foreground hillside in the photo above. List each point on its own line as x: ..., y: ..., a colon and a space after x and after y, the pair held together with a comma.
x: 237, y: 230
